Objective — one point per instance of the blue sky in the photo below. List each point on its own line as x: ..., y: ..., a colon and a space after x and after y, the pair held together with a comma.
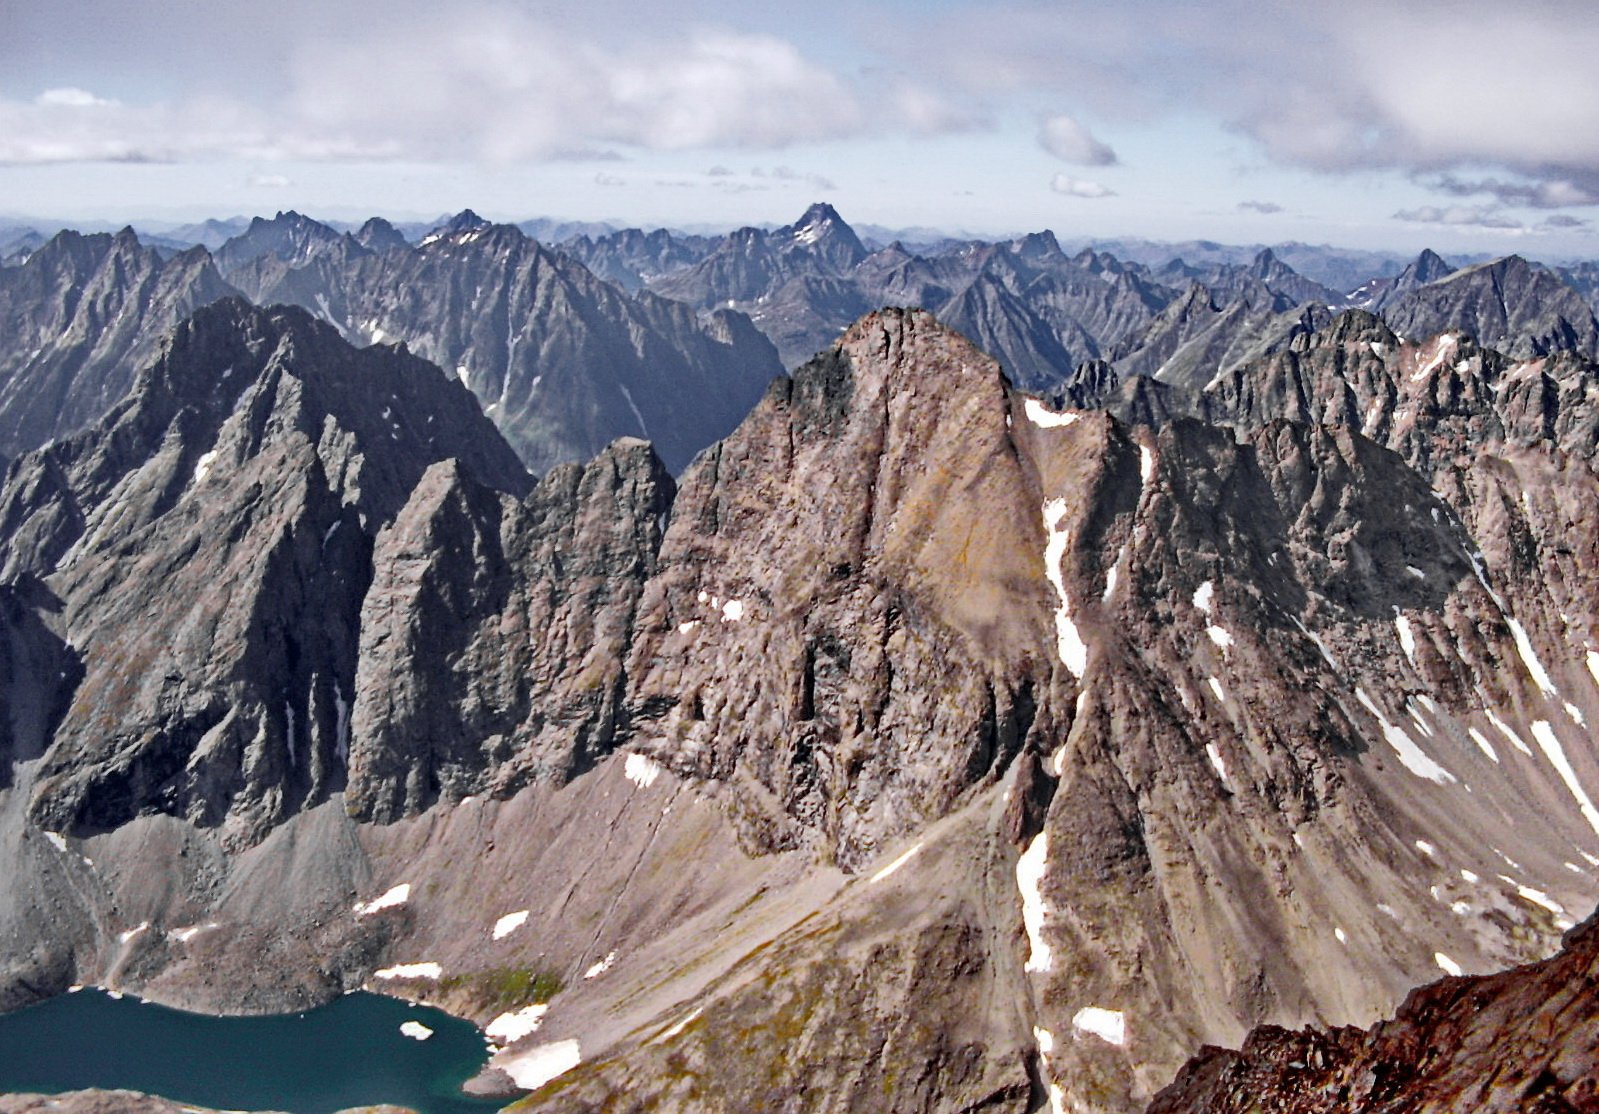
x: 1466, y: 126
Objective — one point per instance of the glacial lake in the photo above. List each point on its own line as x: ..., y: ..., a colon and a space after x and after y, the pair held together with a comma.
x: 350, y: 1052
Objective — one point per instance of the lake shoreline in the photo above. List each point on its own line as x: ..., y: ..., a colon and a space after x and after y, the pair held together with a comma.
x: 361, y: 1050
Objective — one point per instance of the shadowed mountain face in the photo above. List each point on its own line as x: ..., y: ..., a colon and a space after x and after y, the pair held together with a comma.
x: 79, y: 317
x: 1508, y: 304
x: 210, y: 543
x: 561, y: 361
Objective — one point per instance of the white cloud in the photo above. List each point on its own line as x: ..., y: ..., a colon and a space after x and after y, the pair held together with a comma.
x: 1065, y: 138
x: 1078, y: 187
x: 1472, y: 216
x: 498, y: 86
x: 1425, y: 86
x: 70, y: 97
x: 73, y: 125
x: 505, y: 88
x: 268, y: 181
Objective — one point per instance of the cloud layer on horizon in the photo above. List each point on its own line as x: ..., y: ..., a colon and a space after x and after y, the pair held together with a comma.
x: 1484, y: 105
x: 500, y: 87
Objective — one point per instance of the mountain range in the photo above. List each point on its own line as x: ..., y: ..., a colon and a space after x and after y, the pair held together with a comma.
x: 917, y: 741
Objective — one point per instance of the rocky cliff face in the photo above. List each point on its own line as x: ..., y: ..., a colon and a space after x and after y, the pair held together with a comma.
x: 1523, y: 1040
x: 494, y: 634
x: 80, y: 317
x: 210, y: 543
x: 561, y: 361
x: 1508, y: 304
x: 1247, y: 724
x: 1199, y: 336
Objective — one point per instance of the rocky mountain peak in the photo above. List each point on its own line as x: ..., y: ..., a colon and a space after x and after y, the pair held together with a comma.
x: 1038, y: 247
x: 1429, y: 266
x: 464, y: 221
x: 822, y: 232
x: 1508, y: 304
x: 1354, y: 326
x: 379, y: 235
x: 289, y: 236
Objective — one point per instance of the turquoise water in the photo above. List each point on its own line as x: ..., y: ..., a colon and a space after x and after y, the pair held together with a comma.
x: 348, y: 1053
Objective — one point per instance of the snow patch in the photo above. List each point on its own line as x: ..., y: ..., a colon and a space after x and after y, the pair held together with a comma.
x: 1556, y: 754
x: 1593, y: 665
x: 1529, y: 656
x: 1415, y: 572
x: 1045, y: 418
x: 1220, y: 637
x: 1110, y: 582
x: 1216, y: 760
x: 1326, y: 654
x: 1538, y: 897
x: 895, y: 865
x: 1449, y: 966
x: 681, y: 1025
x: 399, y: 895
x: 1575, y: 714
x: 1203, y: 595
x: 1407, y: 637
x: 1482, y: 743
x: 1107, y: 1025
x: 57, y: 840
x: 732, y: 611
x: 1068, y: 643
x: 1444, y: 345
x: 415, y: 1030
x: 641, y: 770
x: 688, y: 627
x: 1146, y: 463
x: 509, y: 923
x: 1215, y: 687
x: 141, y: 927
x: 534, y: 1068
x: 633, y: 406
x: 1426, y: 849
x: 1338, y: 934
x: 511, y: 1027
x: 410, y: 971
x: 1411, y: 756
x: 1029, y: 880
x: 189, y: 932
x: 202, y: 467
x: 1469, y: 875
x: 1045, y: 1040
x: 1505, y: 730
x: 595, y: 970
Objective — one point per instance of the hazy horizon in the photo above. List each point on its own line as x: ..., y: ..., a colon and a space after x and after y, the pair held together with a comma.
x: 1463, y: 127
